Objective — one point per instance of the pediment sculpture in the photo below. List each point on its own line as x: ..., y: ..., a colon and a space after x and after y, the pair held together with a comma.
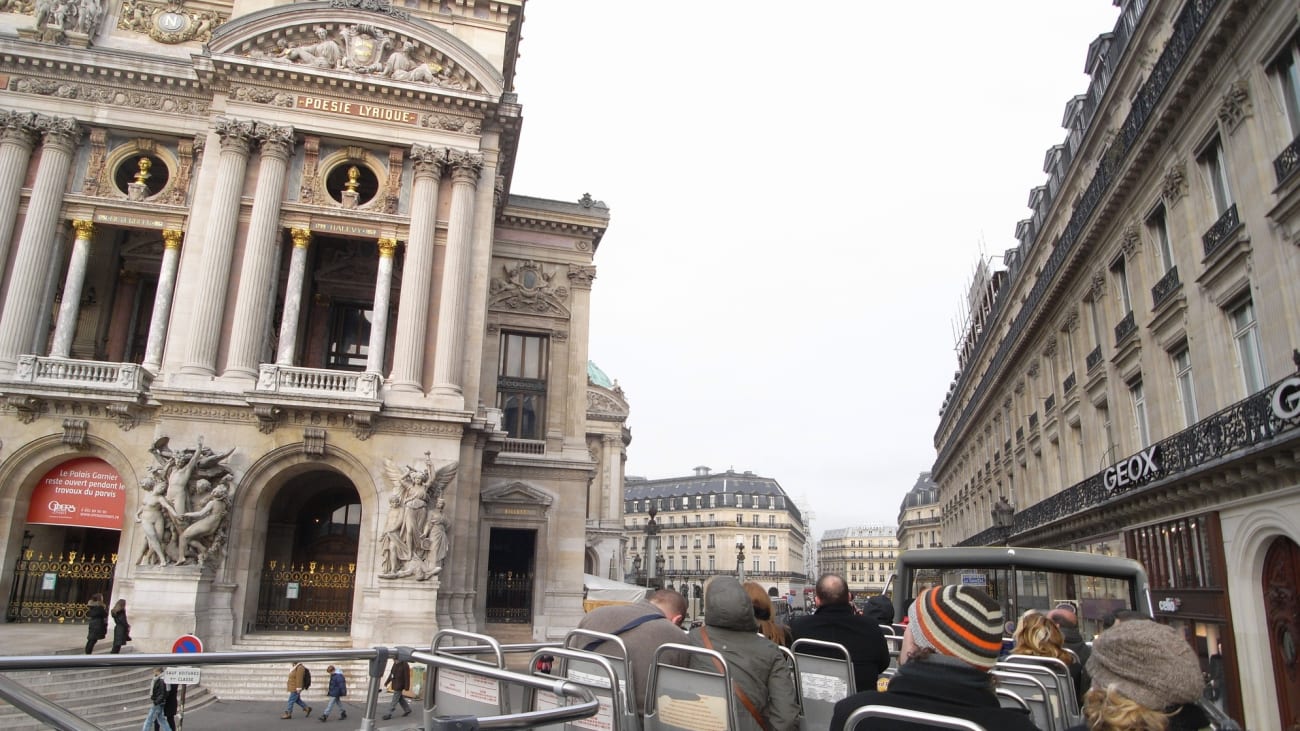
x: 366, y: 49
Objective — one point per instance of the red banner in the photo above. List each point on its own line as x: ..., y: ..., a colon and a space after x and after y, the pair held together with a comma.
x: 85, y: 492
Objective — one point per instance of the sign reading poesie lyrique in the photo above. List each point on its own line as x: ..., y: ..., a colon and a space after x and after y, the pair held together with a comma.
x: 356, y: 109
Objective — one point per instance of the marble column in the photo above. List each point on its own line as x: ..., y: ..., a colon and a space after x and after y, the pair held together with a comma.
x: 162, y: 300
x: 417, y: 271
x: 22, y: 306
x: 218, y: 248
x: 448, y: 357
x: 18, y: 135
x: 480, y: 266
x: 257, y: 274
x: 379, y: 311
x: 575, y: 412
x: 66, y: 326
x: 293, y: 296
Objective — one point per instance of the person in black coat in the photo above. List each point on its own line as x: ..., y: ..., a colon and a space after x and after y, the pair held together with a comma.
x: 836, y: 621
x: 121, y: 627
x: 169, y: 707
x: 97, y: 628
x: 952, y: 641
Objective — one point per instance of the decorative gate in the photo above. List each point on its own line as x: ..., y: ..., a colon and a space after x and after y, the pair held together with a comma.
x: 309, y: 598
x: 56, y: 587
x: 510, y: 597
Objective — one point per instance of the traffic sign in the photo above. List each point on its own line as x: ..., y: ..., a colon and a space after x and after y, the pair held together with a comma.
x: 181, y: 676
x: 187, y: 643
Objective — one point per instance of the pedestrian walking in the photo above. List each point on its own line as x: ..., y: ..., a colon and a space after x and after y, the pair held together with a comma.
x: 121, y: 627
x: 169, y: 708
x: 399, y: 679
x: 299, y: 680
x: 158, y: 699
x: 338, y: 688
x: 97, y: 613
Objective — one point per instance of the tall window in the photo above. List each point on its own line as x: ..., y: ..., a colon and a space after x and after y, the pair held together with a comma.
x: 1182, y: 359
x: 521, y: 384
x: 1286, y: 71
x: 1245, y: 331
x: 349, y: 341
x: 1216, y: 175
x: 711, y: 567
x: 1094, y: 321
x: 1160, y: 232
x: 1120, y: 270
x: 1139, y: 412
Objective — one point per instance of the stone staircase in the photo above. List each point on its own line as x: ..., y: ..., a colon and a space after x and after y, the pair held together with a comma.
x: 266, y: 682
x: 116, y: 699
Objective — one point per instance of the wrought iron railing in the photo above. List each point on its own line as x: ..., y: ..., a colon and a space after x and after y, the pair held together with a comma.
x: 1288, y: 162
x: 510, y: 597
x: 54, y: 588
x: 1187, y: 27
x: 1033, y: 421
x: 1068, y: 384
x: 310, y: 597
x: 1222, y: 230
x: 1094, y: 359
x: 1244, y: 424
x: 83, y: 373
x: 1049, y: 404
x: 1125, y: 329
x: 273, y: 378
x: 1167, y: 285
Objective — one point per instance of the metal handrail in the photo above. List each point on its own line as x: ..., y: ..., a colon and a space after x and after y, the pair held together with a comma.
x: 54, y: 716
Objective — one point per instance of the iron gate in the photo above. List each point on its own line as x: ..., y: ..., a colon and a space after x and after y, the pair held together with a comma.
x: 510, y: 597
x: 56, y: 587
x: 308, y: 598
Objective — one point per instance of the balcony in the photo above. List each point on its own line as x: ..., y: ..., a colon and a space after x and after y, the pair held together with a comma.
x: 1221, y: 231
x: 1125, y: 329
x: 1068, y: 385
x: 1288, y: 162
x: 1049, y: 404
x: 1094, y: 359
x: 317, y: 382
x: 523, y: 446
x: 1033, y: 421
x: 1164, y: 288
x: 129, y: 378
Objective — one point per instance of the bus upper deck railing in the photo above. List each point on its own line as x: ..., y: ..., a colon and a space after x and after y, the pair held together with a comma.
x: 53, y: 715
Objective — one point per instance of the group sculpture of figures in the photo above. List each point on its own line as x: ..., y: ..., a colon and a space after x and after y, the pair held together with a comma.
x: 368, y: 50
x: 414, y: 541
x: 77, y: 16
x: 185, y: 506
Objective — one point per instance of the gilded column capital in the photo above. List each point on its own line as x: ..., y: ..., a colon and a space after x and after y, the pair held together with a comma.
x: 172, y: 238
x: 301, y: 237
x: 276, y: 140
x: 236, y: 135
x: 85, y: 229
x: 428, y: 161
x: 581, y: 276
x: 387, y: 247
x: 465, y: 166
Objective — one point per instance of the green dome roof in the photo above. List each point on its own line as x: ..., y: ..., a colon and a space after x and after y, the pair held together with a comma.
x: 597, y: 377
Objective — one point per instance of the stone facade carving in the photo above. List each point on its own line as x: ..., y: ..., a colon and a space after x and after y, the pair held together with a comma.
x: 258, y: 95
x: 414, y: 540
x: 582, y: 276
x: 70, y: 22
x: 451, y: 123
x: 1174, y: 186
x: 527, y: 286
x: 1131, y: 241
x: 1049, y: 350
x: 120, y: 97
x: 1235, y: 105
x: 365, y: 49
x: 428, y: 160
x: 1097, y: 290
x: 168, y: 22
x: 184, y: 511
x: 1071, y: 322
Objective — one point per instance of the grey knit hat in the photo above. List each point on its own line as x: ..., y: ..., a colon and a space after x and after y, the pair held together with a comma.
x: 1147, y: 662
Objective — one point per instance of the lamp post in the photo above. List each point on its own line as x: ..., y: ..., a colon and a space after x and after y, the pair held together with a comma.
x: 654, y: 563
x: 740, y: 558
x: 1004, y: 518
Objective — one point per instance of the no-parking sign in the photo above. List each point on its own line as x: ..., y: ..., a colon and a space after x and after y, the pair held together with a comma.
x: 187, y: 643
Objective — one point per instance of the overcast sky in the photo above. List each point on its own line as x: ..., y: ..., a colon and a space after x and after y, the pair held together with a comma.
x: 799, y: 195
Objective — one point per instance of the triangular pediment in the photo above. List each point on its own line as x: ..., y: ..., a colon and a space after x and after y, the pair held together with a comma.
x: 366, y: 46
x: 517, y: 492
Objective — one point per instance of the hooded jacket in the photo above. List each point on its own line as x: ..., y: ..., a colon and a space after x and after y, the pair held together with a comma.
x: 757, y: 665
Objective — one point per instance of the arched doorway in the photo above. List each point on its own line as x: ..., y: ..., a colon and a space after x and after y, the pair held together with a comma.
x: 312, y: 533
x: 1282, y: 615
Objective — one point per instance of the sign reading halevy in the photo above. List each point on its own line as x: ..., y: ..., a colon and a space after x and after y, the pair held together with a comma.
x: 356, y: 109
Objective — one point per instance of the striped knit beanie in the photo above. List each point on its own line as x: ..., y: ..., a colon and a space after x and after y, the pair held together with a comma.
x: 958, y: 621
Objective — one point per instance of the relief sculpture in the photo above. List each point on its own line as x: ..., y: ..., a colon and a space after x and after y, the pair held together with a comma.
x: 365, y: 49
x: 414, y: 541
x: 184, y: 511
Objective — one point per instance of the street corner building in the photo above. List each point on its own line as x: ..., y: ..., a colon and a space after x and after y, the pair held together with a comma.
x: 1128, y: 380
x: 280, y: 349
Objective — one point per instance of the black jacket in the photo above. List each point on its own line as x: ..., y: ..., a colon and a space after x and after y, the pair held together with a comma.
x: 121, y: 628
x: 158, y: 694
x: 942, y: 686
x: 859, y: 635
x: 97, y: 613
x: 1078, y: 671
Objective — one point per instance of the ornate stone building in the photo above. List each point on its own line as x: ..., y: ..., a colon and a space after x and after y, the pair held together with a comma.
x: 1132, y: 389
x: 864, y: 555
x: 280, y: 349
x: 920, y: 524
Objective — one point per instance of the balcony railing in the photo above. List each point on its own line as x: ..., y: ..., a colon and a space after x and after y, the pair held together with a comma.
x: 1049, y: 404
x: 83, y: 373
x: 1068, y: 385
x: 291, y: 380
x: 1167, y: 285
x: 1094, y: 359
x: 1033, y: 421
x: 1288, y: 162
x: 524, y: 446
x: 1221, y: 230
x: 1125, y: 328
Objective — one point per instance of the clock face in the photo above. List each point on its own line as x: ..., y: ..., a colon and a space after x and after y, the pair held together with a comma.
x: 171, y: 22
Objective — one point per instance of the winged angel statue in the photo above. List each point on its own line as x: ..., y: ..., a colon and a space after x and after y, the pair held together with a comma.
x: 414, y: 542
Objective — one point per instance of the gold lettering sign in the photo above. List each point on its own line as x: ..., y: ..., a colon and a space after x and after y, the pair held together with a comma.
x: 518, y: 511
x: 343, y: 228
x: 356, y: 109
x: 130, y: 221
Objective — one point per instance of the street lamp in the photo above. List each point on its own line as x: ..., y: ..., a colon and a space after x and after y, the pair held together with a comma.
x: 1004, y: 517
x: 654, y: 563
x: 740, y: 558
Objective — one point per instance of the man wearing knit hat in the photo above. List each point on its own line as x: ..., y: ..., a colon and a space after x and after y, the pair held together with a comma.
x: 1148, y: 663
x: 954, y: 635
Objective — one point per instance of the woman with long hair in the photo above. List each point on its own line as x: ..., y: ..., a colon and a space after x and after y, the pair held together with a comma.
x: 1142, y: 674
x: 121, y: 627
x: 763, y: 613
x: 97, y: 628
x: 1036, y: 634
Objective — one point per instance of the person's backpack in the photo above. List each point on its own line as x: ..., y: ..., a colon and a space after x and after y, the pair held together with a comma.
x: 306, y: 678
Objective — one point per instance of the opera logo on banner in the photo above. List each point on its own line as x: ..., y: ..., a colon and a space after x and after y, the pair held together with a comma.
x: 85, y: 492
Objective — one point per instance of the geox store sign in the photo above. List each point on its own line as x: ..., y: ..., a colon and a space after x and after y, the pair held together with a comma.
x: 1134, y: 471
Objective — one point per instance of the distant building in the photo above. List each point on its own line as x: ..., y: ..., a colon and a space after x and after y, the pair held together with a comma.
x: 920, y: 522
x: 702, y: 517
x: 863, y: 555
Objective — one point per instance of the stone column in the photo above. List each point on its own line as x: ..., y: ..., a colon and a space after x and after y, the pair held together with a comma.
x: 18, y: 135
x: 475, y: 304
x: 162, y: 300
x: 417, y: 271
x: 218, y: 247
x: 22, y: 306
x: 379, y: 310
x: 257, y: 274
x: 575, y: 412
x: 448, y: 357
x: 66, y: 327
x: 293, y: 296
